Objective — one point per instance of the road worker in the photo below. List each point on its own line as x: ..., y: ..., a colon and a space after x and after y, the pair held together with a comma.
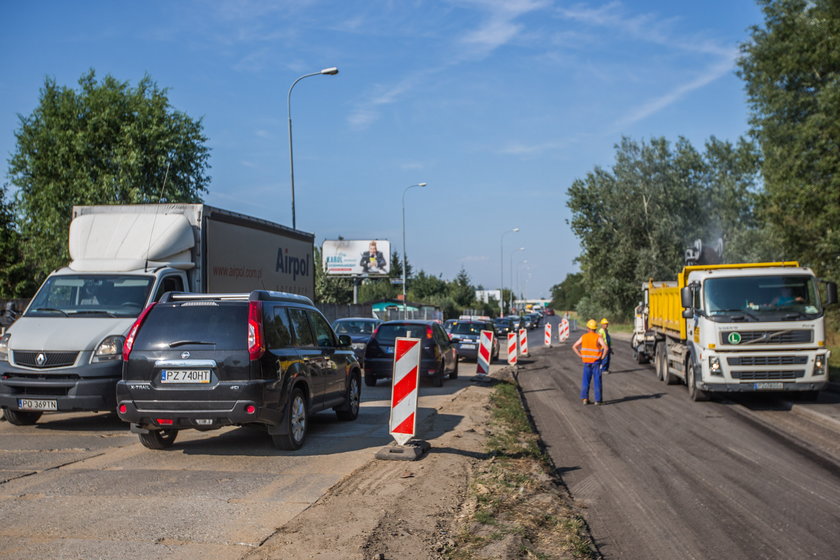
x: 604, y: 333
x: 591, y: 348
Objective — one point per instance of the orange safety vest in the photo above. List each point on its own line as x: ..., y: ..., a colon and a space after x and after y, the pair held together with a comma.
x: 589, y: 349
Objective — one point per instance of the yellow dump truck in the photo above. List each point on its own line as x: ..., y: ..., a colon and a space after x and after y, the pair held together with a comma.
x: 737, y: 328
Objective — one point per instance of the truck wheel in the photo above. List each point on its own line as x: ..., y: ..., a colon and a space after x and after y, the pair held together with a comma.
x: 353, y: 398
x: 694, y: 393
x: 21, y: 417
x: 297, y: 421
x: 659, y: 361
x: 667, y: 376
x: 158, y: 439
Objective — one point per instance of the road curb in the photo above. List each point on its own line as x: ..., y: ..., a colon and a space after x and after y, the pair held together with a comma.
x: 818, y: 417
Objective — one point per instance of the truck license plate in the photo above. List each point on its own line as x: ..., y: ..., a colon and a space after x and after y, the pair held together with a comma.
x: 769, y: 386
x: 37, y: 404
x: 185, y: 376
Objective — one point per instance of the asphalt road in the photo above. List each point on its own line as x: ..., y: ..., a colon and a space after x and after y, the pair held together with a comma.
x: 662, y: 477
x: 81, y: 486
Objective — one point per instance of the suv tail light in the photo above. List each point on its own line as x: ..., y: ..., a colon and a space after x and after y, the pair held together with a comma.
x: 429, y: 332
x: 132, y: 332
x: 256, y: 342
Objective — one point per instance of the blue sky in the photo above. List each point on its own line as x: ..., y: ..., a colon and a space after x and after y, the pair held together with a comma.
x: 498, y: 105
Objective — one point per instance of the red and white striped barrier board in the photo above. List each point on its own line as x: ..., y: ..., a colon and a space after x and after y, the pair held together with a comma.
x: 485, y: 353
x: 563, y: 331
x: 402, y: 424
x: 548, y: 334
x: 523, y: 342
x: 513, y: 355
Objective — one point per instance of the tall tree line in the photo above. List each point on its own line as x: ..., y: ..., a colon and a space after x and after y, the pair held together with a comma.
x: 774, y: 195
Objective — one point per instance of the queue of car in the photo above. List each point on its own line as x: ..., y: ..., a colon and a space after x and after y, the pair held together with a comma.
x: 270, y: 359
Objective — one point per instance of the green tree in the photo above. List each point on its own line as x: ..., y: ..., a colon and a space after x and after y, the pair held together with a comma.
x: 791, y: 67
x: 635, y: 220
x: 105, y: 143
x: 15, y: 278
x: 461, y: 291
x: 566, y: 295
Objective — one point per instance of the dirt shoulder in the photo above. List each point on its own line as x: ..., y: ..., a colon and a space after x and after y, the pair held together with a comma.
x: 465, y: 499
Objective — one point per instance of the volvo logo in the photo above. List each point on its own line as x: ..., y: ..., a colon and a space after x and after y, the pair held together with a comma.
x: 185, y: 355
x: 41, y: 359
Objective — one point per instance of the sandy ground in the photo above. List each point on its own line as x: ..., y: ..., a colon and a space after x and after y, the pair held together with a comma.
x: 395, y: 509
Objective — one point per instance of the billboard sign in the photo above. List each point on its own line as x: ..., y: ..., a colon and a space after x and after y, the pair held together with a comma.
x: 486, y: 295
x: 357, y: 258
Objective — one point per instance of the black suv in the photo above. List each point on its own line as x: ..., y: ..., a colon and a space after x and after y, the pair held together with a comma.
x: 204, y: 361
x: 438, y: 357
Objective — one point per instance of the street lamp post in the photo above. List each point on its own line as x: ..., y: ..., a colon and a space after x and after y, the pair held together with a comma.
x: 511, y: 274
x: 325, y: 72
x: 405, y: 261
x: 502, y: 271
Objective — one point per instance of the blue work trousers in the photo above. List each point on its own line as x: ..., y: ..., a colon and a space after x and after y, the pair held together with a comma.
x: 605, y: 362
x: 591, y: 372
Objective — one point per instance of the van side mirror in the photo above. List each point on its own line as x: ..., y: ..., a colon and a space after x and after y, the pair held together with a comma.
x: 830, y: 293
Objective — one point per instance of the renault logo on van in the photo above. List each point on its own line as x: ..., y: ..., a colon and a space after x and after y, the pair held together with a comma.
x: 185, y: 355
x: 41, y: 359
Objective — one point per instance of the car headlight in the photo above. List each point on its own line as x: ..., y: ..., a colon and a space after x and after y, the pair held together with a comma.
x: 819, y: 364
x: 109, y: 349
x: 4, y: 347
x: 714, y: 366
x: 360, y: 346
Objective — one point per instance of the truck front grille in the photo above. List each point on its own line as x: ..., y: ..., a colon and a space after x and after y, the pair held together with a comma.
x: 792, y: 336
x: 43, y: 360
x: 752, y: 361
x: 778, y: 375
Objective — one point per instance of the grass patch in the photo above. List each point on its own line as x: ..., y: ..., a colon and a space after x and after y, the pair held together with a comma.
x: 517, y: 510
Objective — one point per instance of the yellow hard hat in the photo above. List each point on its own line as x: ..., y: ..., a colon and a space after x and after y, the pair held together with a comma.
x: 591, y: 324
x: 604, y: 321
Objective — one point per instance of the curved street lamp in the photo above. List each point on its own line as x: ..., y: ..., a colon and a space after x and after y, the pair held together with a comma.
x: 405, y: 261
x: 502, y: 269
x: 332, y: 71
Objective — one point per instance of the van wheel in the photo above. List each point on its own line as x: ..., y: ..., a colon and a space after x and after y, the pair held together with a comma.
x: 370, y: 380
x: 21, y: 417
x: 353, y: 399
x: 297, y: 421
x: 694, y: 393
x: 158, y: 439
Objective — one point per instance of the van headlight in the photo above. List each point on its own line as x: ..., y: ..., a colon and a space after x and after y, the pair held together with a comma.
x: 714, y: 366
x: 819, y: 365
x: 4, y: 347
x: 108, y: 350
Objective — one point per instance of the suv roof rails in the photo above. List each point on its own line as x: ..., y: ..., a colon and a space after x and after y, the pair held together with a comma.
x: 256, y: 295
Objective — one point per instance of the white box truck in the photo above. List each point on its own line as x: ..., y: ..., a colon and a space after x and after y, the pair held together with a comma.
x: 64, y: 352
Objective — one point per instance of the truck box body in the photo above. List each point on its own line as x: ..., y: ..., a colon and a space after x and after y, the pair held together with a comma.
x: 64, y: 352
x: 750, y: 327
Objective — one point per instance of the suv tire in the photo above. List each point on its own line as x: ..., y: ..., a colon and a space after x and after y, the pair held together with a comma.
x: 370, y: 380
x: 297, y: 422
x: 353, y: 398
x: 21, y: 417
x: 158, y: 439
x: 454, y: 373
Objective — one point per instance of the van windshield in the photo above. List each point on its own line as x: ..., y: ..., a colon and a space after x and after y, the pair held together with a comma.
x: 91, y: 295
x: 762, y: 298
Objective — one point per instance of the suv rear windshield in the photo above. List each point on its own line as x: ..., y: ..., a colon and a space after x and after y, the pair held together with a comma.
x: 388, y: 333
x: 198, y: 324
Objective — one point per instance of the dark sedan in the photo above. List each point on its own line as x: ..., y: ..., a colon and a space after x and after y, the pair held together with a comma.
x: 359, y: 329
x: 438, y: 357
x: 468, y: 334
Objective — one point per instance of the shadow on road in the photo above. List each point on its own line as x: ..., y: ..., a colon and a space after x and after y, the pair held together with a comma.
x: 634, y: 398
